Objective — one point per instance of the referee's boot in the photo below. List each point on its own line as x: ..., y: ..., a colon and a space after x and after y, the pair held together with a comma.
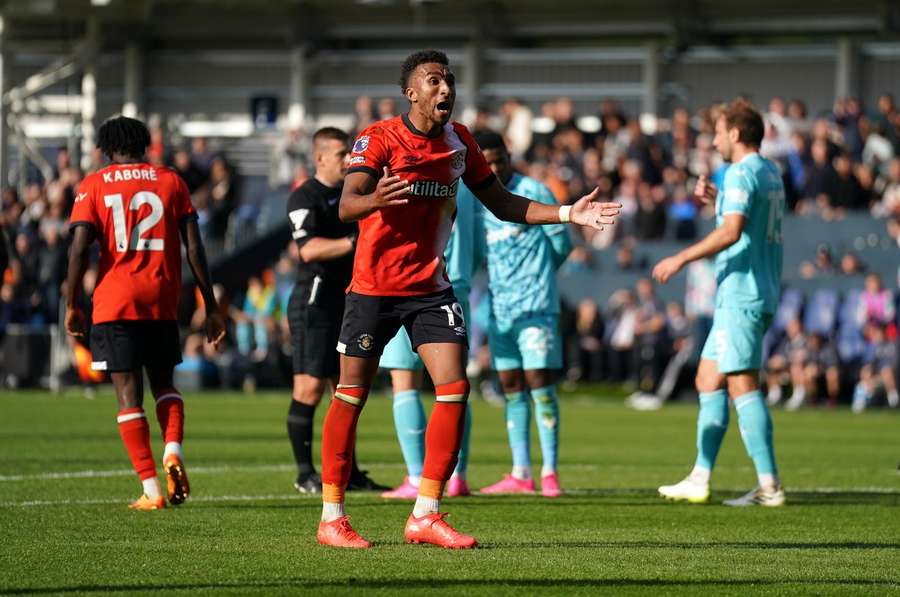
x: 309, y: 484
x: 360, y: 481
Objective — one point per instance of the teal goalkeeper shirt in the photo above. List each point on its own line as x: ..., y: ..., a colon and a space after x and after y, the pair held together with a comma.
x: 465, y: 250
x: 748, y: 272
x: 522, y: 259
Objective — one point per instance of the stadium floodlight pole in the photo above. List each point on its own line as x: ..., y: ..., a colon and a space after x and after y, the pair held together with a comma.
x: 89, y: 91
x: 5, y: 63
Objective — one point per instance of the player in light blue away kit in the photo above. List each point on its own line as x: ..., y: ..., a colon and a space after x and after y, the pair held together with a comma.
x: 748, y: 247
x: 524, y: 331
x: 464, y: 253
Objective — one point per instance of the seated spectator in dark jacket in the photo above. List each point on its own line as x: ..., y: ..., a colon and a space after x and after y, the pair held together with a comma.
x: 841, y: 189
x: 193, y: 177
x: 650, y: 219
x: 819, y: 170
x: 822, y: 362
x: 879, y: 371
x: 781, y: 368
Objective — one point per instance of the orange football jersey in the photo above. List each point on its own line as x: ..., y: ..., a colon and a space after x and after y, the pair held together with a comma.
x: 135, y: 210
x: 400, y: 251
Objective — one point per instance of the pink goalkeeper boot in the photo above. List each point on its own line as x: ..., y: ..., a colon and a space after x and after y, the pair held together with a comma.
x: 405, y: 491
x: 509, y: 484
x: 457, y: 487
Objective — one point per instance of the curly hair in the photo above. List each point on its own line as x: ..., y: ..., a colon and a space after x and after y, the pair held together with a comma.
x: 415, y: 59
x: 124, y: 136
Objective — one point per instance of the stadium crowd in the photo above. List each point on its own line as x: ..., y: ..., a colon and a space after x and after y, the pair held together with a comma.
x: 842, y: 161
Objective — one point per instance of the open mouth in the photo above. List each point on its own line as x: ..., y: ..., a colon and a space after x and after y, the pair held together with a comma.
x: 444, y: 106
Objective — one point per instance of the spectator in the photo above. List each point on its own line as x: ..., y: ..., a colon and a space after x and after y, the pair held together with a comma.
x: 822, y: 364
x: 364, y: 114
x: 851, y: 265
x: 517, y: 130
x: 625, y: 258
x: 651, y: 341
x: 841, y: 189
x: 878, y: 371
x: 255, y: 320
x: 678, y: 328
x: 650, y: 219
x: 876, y: 306
x: 889, y: 187
x: 387, y: 108
x: 786, y: 365
x: 222, y: 196
x: 822, y: 266
x: 192, y: 176
x: 588, y: 350
x: 700, y: 301
x: 201, y: 157
x: 620, y: 334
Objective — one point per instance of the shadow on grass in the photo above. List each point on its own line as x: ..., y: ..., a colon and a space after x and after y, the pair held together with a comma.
x: 430, y: 583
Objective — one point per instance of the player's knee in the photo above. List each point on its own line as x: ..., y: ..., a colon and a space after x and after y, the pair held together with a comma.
x: 742, y: 383
x: 537, y: 379
x: 511, y: 382
x: 308, y: 389
x: 708, y: 382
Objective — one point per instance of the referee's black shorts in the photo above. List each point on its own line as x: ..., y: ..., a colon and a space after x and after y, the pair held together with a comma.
x: 314, y: 317
x: 118, y: 346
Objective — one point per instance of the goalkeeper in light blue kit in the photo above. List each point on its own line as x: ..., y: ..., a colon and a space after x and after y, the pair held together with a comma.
x: 524, y: 337
x: 464, y: 254
x: 747, y: 245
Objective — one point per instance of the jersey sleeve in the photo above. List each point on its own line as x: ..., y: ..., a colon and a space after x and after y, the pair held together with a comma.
x: 184, y: 208
x: 305, y: 216
x: 478, y: 174
x: 370, y: 153
x: 558, y: 234
x: 737, y: 191
x: 84, y: 210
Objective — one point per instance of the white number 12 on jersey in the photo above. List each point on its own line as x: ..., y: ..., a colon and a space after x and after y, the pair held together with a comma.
x: 136, y: 242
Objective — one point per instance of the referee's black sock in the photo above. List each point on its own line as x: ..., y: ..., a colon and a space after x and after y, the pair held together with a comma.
x: 300, y: 431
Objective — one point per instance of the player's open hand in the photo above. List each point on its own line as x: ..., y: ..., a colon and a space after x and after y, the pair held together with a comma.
x: 589, y: 212
x: 215, y: 329
x: 705, y: 191
x: 75, y: 322
x: 391, y: 190
x: 667, y: 268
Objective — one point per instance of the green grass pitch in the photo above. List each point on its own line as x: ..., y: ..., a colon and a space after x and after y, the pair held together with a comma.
x: 65, y: 482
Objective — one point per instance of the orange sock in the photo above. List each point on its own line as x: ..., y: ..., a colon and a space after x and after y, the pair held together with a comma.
x: 135, y: 433
x: 339, y: 439
x: 170, y: 414
x: 443, y: 436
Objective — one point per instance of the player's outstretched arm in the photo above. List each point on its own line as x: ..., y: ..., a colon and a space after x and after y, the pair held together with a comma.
x: 82, y: 238
x: 719, y: 239
x: 515, y: 208
x: 196, y: 257
x: 362, y: 194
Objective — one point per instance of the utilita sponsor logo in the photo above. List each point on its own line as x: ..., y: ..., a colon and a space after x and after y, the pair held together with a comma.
x: 433, y: 188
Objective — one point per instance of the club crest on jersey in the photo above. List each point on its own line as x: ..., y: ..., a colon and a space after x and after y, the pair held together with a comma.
x: 361, y: 144
x: 366, y: 342
x: 433, y: 188
x: 458, y: 160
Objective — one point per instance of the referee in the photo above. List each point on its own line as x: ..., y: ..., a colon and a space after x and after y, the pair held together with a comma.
x: 316, y: 305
